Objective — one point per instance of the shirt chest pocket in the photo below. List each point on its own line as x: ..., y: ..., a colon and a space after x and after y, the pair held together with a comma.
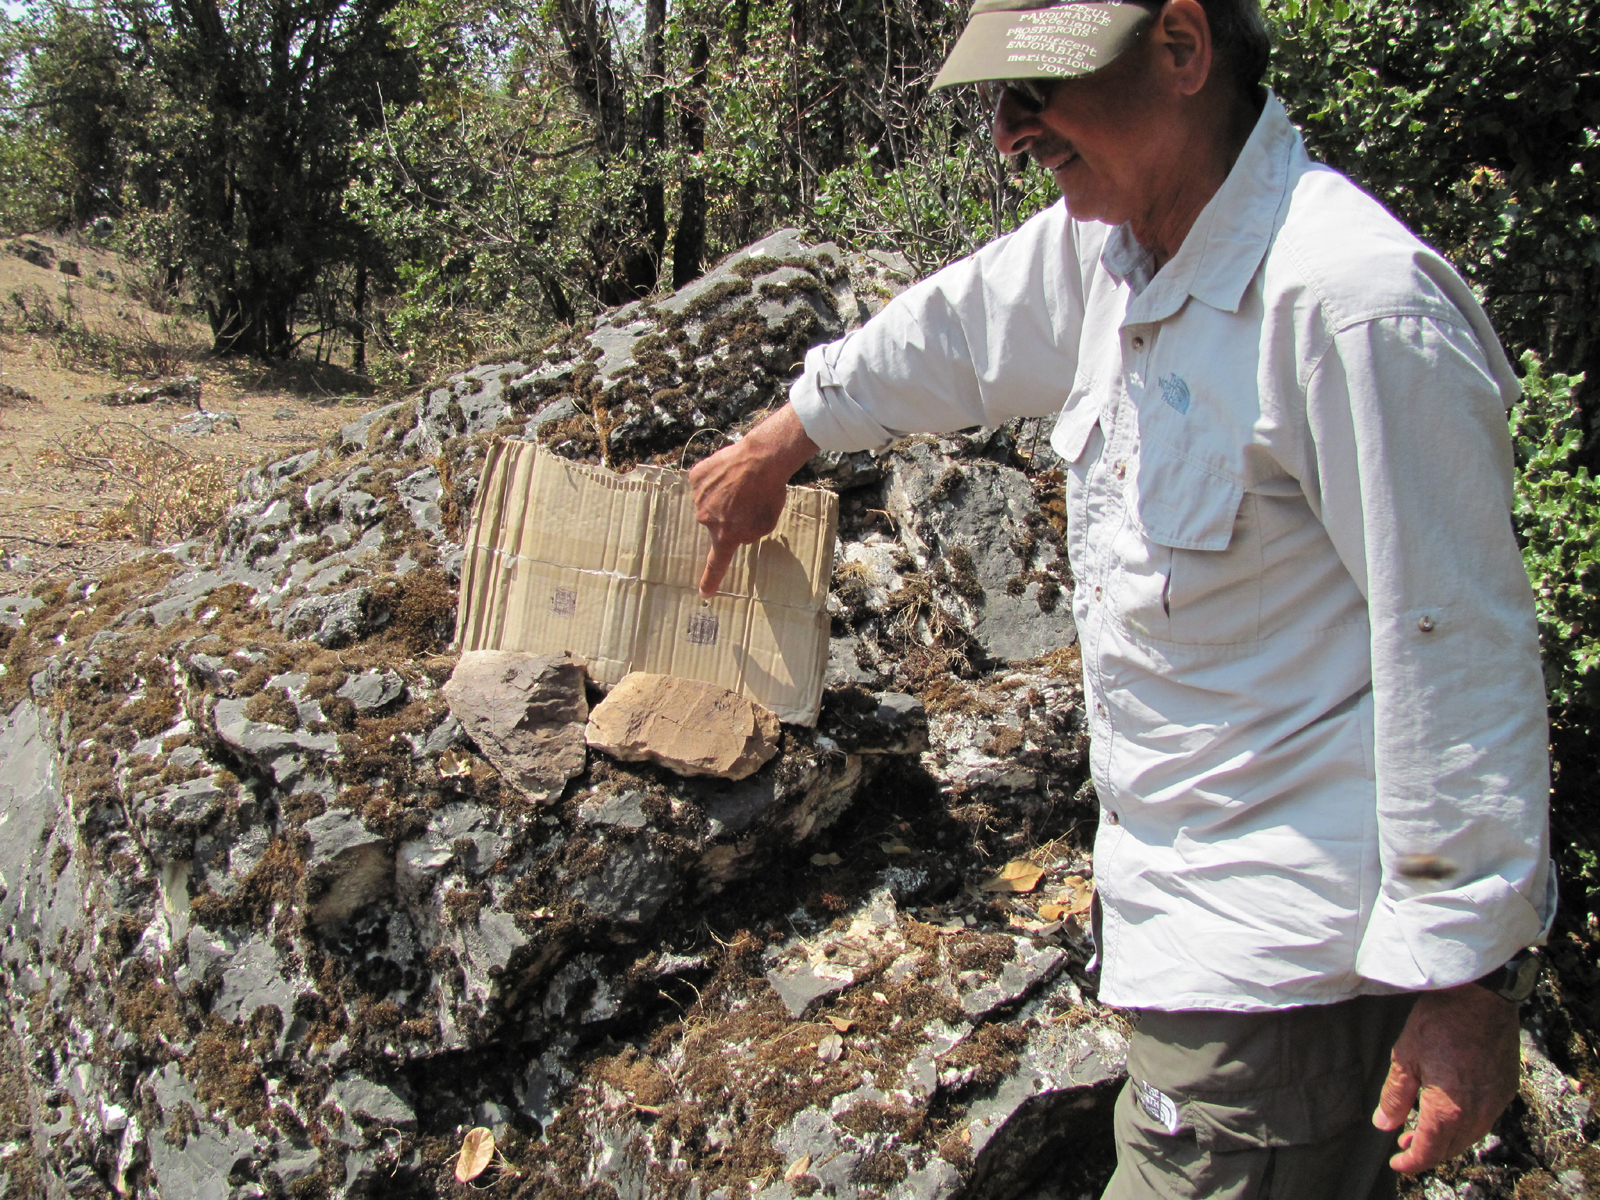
x: 1186, y: 560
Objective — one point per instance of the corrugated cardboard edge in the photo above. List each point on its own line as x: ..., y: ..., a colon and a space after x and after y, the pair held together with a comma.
x: 611, y: 580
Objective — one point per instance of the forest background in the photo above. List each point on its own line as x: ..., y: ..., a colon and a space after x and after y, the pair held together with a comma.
x: 410, y: 185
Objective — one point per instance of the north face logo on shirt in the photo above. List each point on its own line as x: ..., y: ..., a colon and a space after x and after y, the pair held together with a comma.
x: 1175, y: 391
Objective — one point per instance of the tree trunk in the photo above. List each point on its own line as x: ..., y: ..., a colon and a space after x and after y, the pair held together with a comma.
x: 689, y: 244
x: 358, y: 333
x: 594, y: 77
x: 643, y: 267
x: 256, y: 320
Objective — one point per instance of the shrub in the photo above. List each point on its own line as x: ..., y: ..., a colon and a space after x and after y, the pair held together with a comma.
x: 171, y: 494
x: 1557, y: 515
x: 1478, y: 123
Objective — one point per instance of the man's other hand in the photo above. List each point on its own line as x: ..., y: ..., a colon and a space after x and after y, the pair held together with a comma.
x: 739, y: 491
x: 1457, y: 1062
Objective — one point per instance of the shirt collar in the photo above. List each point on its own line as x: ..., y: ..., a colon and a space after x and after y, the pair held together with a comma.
x: 1229, y: 239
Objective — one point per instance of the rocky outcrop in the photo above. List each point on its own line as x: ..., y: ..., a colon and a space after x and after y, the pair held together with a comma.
x: 294, y: 897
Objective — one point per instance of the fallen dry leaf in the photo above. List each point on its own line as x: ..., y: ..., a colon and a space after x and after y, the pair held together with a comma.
x: 797, y: 1168
x: 1027, y: 926
x: 1077, y: 893
x: 842, y: 1024
x: 454, y: 763
x: 1018, y: 875
x: 825, y: 860
x: 880, y: 997
x: 477, y: 1150
x: 830, y: 1048
x: 1076, y: 896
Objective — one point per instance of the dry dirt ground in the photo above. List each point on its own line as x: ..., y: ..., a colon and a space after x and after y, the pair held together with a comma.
x: 83, y: 484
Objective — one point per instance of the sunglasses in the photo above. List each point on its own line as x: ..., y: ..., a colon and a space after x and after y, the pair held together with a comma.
x: 1029, y: 94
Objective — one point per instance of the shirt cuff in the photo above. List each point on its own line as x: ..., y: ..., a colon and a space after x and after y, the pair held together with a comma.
x: 1444, y: 939
x: 831, y: 418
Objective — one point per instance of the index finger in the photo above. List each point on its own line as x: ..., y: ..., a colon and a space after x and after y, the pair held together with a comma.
x: 717, y: 563
x: 1398, y: 1096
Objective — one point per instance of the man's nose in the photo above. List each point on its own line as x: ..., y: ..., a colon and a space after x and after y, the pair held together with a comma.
x: 1015, y: 125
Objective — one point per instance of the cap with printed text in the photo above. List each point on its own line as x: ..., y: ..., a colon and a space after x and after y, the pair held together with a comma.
x: 1041, y: 39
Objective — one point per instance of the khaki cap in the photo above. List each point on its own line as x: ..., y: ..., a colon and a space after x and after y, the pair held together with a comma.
x: 1041, y: 39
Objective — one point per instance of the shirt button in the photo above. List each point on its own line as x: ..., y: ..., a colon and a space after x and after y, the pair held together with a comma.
x: 1138, y: 343
x: 1097, y: 593
x: 1121, y: 469
x: 1100, y: 710
x: 1425, y: 624
x: 1112, y: 818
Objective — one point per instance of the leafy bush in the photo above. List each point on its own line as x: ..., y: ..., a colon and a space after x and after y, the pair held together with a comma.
x: 32, y: 178
x: 1557, y: 515
x: 1478, y: 123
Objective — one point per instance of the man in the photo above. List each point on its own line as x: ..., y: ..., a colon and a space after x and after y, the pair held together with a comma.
x: 1310, y: 659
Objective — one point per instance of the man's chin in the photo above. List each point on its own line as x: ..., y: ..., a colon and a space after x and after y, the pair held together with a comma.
x: 1081, y: 207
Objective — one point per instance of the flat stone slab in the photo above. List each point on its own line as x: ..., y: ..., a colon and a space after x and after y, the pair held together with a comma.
x: 623, y: 811
x: 351, y: 865
x: 689, y: 727
x: 1031, y: 967
x: 372, y: 689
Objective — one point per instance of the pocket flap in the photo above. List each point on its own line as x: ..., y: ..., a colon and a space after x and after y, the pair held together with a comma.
x: 1073, y: 427
x: 1181, y: 504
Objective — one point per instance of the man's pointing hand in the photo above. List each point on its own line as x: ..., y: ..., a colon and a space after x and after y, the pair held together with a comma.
x: 739, y: 491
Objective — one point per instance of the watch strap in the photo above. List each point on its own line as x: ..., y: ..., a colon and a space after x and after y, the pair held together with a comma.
x: 1516, y: 979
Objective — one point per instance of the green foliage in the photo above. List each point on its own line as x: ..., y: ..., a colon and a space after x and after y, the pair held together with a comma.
x: 33, y: 179
x: 844, y: 137
x: 516, y: 197
x: 1557, y: 515
x: 1478, y: 123
x: 484, y: 194
x: 224, y: 135
x: 78, y: 75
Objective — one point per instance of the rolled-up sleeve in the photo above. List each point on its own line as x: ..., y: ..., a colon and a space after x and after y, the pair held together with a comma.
x: 988, y: 338
x: 1415, y: 477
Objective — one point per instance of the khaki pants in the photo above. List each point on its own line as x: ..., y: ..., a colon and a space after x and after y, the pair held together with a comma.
x: 1258, y: 1106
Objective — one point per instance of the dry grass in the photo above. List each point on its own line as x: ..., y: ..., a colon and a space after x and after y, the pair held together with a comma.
x: 79, y: 495
x: 123, y: 340
x: 171, y: 494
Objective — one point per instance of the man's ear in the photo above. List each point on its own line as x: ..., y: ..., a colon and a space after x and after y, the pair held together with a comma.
x: 1183, y: 36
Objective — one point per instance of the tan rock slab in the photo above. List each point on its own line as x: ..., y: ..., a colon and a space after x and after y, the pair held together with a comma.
x: 687, y: 726
x: 526, y: 714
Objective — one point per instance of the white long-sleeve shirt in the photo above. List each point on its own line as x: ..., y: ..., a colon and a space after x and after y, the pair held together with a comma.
x: 1309, y: 646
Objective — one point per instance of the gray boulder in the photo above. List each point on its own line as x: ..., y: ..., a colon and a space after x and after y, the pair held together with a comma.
x: 290, y: 904
x: 976, y: 528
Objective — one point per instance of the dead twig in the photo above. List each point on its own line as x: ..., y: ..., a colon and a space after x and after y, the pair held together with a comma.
x: 33, y: 541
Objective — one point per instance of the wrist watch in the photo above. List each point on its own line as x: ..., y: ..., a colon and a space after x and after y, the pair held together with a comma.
x: 1515, y: 980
